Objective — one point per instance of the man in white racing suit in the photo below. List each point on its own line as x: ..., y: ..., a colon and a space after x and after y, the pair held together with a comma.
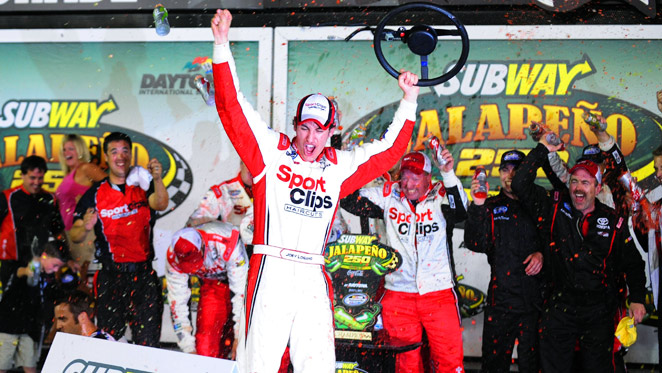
x: 230, y: 201
x: 296, y: 187
x: 420, y: 217
x: 215, y: 253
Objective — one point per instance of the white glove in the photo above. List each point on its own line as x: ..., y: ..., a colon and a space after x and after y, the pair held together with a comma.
x: 186, y: 341
x: 139, y: 176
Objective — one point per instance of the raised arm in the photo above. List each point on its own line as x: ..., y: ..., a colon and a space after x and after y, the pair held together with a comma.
x: 407, y: 82
x: 159, y: 199
x: 478, y: 229
x: 250, y: 135
x: 533, y: 197
x: 220, y: 25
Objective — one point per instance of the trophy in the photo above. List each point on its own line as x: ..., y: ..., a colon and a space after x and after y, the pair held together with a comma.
x: 357, y: 264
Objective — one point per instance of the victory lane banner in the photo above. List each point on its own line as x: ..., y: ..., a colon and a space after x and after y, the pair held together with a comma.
x: 357, y: 264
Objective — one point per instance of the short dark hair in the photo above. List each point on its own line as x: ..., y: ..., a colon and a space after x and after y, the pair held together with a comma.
x: 116, y: 136
x: 32, y: 162
x: 657, y: 152
x: 79, y: 302
x: 57, y: 249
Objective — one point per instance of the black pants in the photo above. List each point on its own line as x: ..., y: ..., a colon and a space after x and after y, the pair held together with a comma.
x: 500, y: 329
x: 565, y: 323
x: 130, y: 297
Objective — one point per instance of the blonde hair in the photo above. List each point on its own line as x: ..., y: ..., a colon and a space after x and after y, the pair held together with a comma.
x: 81, y: 148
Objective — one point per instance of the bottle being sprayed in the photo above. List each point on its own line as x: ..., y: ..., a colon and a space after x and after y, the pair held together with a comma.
x: 639, y: 201
x: 204, y: 87
x: 208, y: 68
x: 35, y: 267
x: 481, y: 176
x: 594, y: 122
x: 631, y: 184
x: 537, y: 130
x: 160, y: 15
x: 435, y: 145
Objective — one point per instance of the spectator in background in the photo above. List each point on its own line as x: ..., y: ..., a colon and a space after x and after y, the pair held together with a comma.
x: 215, y: 253
x: 22, y: 305
x: 420, y: 217
x: 80, y: 174
x: 121, y: 211
x: 74, y: 314
x: 29, y: 215
x: 500, y: 227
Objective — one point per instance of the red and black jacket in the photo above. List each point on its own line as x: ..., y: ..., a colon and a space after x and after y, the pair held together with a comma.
x: 586, y: 253
x: 125, y: 222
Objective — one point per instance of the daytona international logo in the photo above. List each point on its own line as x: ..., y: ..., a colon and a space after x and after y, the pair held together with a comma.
x: 179, y: 83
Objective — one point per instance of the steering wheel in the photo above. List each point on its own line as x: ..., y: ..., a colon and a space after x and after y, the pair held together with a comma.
x: 421, y: 40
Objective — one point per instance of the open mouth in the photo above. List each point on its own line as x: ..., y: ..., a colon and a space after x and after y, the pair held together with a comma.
x: 308, y: 150
x: 580, y: 197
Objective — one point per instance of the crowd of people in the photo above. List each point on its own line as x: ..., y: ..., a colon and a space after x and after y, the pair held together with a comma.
x: 563, y: 261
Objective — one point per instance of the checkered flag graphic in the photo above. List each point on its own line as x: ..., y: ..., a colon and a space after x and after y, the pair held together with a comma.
x: 180, y: 186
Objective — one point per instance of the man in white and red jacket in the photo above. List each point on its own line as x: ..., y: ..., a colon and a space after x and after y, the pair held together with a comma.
x: 296, y: 186
x: 419, y: 216
x: 215, y: 253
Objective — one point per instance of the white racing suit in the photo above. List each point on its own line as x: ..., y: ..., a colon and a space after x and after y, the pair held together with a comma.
x: 289, y: 295
x: 420, y: 293
x: 224, y: 269
x: 230, y: 202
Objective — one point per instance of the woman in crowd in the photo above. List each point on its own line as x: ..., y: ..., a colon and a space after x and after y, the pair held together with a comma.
x: 80, y: 174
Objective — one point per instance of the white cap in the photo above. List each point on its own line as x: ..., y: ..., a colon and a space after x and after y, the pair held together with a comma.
x: 318, y: 108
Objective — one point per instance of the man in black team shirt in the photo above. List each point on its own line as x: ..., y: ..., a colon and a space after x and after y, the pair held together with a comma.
x: 590, y: 246
x: 122, y: 216
x: 498, y: 226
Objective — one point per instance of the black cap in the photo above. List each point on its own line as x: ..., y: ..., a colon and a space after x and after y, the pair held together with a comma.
x: 514, y: 157
x: 592, y: 153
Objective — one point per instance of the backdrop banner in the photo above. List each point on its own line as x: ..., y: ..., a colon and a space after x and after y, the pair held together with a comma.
x: 144, y: 86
